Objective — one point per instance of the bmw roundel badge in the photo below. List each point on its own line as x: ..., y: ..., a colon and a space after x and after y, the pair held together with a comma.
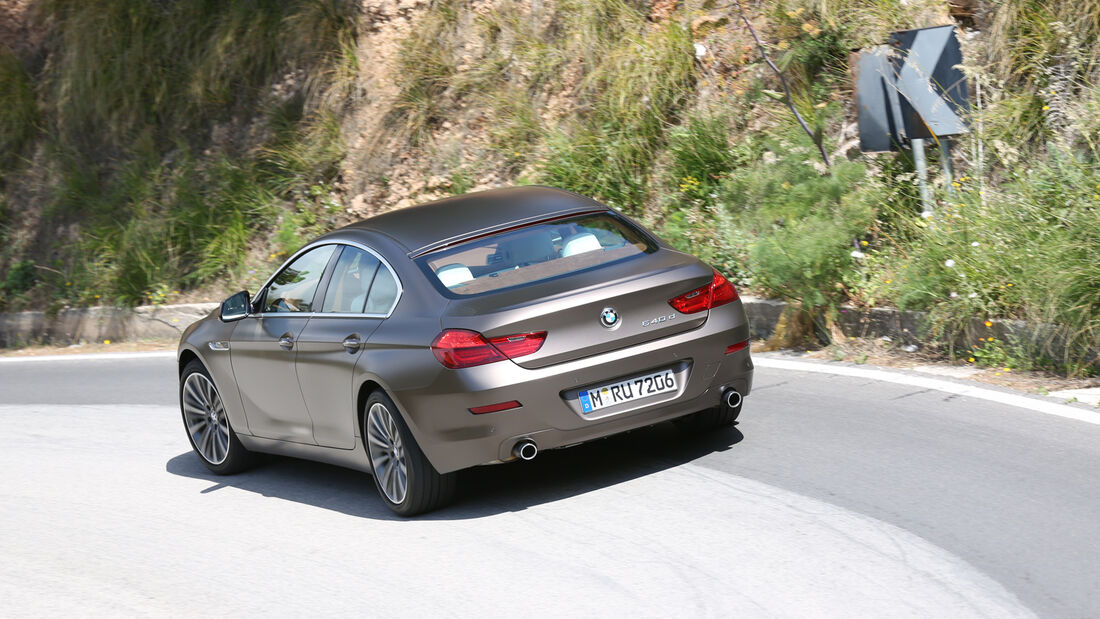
x: 609, y: 317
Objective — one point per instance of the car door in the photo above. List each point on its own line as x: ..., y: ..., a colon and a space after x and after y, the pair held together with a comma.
x: 361, y: 293
x: 265, y: 344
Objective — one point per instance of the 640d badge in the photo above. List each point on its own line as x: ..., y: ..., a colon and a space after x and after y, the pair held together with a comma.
x: 653, y: 321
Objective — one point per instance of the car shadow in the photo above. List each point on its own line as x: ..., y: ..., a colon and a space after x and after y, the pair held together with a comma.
x: 482, y: 491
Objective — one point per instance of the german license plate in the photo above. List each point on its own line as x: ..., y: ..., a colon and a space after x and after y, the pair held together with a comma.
x: 628, y: 390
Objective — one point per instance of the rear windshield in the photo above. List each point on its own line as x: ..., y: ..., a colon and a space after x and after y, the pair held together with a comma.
x: 536, y: 252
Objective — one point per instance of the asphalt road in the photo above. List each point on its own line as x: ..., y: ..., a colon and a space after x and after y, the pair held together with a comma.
x: 835, y: 496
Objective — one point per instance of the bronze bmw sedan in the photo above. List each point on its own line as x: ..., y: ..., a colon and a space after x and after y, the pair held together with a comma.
x: 473, y: 330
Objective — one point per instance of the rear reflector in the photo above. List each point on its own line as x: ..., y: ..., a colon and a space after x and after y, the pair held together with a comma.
x: 717, y: 293
x: 736, y: 347
x: 494, y: 408
x: 462, y: 348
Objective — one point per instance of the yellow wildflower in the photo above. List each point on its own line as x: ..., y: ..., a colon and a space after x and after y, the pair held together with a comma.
x: 988, y: 323
x: 970, y: 360
x: 863, y: 243
x: 783, y: 45
x: 106, y: 341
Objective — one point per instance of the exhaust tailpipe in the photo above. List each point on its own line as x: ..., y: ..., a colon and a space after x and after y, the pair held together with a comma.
x: 525, y: 449
x: 733, y: 398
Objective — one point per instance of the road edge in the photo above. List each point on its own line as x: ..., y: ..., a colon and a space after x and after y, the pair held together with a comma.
x: 1019, y: 400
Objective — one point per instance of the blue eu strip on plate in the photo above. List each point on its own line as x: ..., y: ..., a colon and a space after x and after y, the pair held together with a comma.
x: 586, y: 402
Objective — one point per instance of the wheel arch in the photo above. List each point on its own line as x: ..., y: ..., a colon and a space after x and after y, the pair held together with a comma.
x: 369, y: 384
x: 186, y: 356
x: 366, y: 388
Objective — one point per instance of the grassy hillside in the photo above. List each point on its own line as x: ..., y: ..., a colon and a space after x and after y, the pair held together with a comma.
x: 149, y: 148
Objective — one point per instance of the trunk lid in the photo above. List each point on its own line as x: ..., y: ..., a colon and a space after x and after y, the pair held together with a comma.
x: 570, y: 309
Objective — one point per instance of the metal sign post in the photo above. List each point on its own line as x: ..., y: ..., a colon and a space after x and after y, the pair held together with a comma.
x: 921, y: 164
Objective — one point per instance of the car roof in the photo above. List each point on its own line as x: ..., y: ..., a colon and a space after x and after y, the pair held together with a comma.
x: 445, y: 222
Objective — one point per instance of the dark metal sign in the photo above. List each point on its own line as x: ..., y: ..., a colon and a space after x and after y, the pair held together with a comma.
x: 911, y: 88
x: 879, y: 113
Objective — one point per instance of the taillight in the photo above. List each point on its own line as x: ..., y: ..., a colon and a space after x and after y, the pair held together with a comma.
x: 461, y: 348
x: 717, y: 293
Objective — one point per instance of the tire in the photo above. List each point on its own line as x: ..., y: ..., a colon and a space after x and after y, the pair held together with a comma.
x: 709, y: 419
x: 207, y: 424
x: 406, y: 481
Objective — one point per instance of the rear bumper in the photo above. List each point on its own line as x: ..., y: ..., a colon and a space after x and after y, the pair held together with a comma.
x: 453, y: 438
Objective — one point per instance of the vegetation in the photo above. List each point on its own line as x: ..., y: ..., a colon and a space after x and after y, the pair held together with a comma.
x: 145, y: 111
x: 167, y: 139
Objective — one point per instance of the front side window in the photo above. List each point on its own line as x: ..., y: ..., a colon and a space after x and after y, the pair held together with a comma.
x: 536, y: 252
x: 294, y: 287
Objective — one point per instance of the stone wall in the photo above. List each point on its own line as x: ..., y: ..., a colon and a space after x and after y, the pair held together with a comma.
x: 96, y: 324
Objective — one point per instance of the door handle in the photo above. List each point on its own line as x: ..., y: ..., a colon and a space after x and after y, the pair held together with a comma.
x: 286, y: 341
x: 351, y: 343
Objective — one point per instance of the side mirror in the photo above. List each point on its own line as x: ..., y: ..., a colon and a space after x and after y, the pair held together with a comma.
x: 235, y: 307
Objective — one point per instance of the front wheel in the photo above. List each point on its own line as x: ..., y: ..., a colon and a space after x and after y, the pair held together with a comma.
x: 406, y: 481
x: 207, y: 423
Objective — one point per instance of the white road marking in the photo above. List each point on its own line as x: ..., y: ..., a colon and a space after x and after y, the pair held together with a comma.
x: 924, y: 382
x: 114, y: 516
x: 102, y: 356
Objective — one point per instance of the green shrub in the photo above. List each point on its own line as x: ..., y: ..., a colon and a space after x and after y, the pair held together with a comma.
x: 18, y: 110
x: 804, y: 226
x: 19, y: 279
x: 701, y: 157
x: 1026, y: 249
x: 126, y: 70
x: 634, y: 92
x: 132, y: 91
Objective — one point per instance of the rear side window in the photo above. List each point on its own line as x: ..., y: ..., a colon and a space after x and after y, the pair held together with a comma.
x: 360, y: 284
x: 382, y: 294
x: 351, y: 279
x: 536, y: 252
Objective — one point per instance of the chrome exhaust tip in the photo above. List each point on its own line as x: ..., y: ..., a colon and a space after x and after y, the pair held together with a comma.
x: 525, y: 450
x: 733, y: 398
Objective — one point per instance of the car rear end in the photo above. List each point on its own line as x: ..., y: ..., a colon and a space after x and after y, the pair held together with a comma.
x: 567, y: 330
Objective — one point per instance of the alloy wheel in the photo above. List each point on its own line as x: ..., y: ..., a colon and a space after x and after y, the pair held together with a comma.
x: 204, y: 415
x: 387, y: 453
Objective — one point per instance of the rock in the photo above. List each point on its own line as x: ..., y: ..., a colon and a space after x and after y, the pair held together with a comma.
x: 701, y: 26
x: 359, y: 204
